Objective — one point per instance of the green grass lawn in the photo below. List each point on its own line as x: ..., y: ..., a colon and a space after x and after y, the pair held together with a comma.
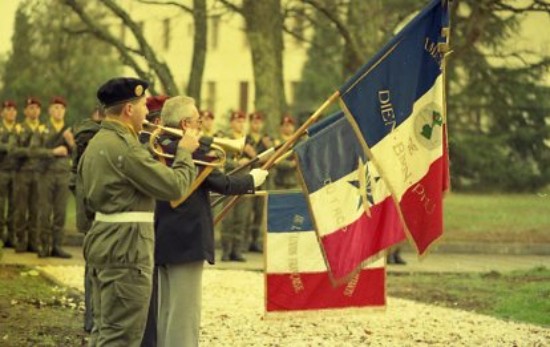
x: 498, y: 218
x: 471, y: 218
x: 520, y: 295
x: 33, y: 312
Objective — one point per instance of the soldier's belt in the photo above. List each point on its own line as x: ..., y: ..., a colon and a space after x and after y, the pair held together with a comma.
x: 125, y: 217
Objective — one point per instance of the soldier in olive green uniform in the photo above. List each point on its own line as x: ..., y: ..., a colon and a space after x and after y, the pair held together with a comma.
x: 261, y: 142
x: 29, y: 152
x: 235, y: 224
x: 285, y: 170
x: 120, y: 181
x: 8, y: 128
x: 54, y: 183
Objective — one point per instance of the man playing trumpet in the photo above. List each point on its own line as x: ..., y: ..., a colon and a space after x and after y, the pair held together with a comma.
x: 185, y: 233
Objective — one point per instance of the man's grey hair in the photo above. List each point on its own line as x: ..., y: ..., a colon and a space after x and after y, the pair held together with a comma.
x: 177, y: 108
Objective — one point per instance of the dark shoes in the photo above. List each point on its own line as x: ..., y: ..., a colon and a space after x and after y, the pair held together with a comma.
x: 255, y: 248
x: 58, y: 252
x: 233, y: 257
x: 237, y: 257
x: 395, y: 258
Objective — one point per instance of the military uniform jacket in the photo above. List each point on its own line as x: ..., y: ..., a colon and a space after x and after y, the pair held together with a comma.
x: 285, y: 171
x: 186, y: 233
x: 30, y: 151
x: 118, y: 175
x: 8, y: 139
x: 52, y: 139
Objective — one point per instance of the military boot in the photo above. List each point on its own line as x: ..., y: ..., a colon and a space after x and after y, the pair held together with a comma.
x: 59, y: 252
x: 226, y: 251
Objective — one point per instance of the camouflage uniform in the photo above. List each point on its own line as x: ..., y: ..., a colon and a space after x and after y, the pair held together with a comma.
x: 120, y: 181
x: 235, y: 223
x: 53, y: 192
x: 8, y: 138
x: 260, y: 144
x: 29, y: 152
x: 285, y: 176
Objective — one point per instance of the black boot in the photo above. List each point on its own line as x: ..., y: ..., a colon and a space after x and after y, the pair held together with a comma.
x: 58, y: 252
x: 237, y: 257
x: 397, y: 258
x: 255, y: 248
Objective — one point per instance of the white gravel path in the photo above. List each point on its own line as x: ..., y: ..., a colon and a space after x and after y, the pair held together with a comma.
x: 233, y: 316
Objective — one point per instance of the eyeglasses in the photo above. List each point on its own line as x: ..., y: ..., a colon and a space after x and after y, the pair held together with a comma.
x: 197, y: 121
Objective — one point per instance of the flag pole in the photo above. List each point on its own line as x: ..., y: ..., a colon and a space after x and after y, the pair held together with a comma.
x: 283, y: 149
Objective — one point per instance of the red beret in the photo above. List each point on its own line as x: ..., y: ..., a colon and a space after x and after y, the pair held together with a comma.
x: 256, y: 116
x: 206, y: 114
x: 9, y: 103
x: 287, y: 119
x: 237, y: 115
x: 155, y: 103
x: 58, y: 100
x: 32, y: 100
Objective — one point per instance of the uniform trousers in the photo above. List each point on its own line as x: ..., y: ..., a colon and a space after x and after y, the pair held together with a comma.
x: 179, y: 304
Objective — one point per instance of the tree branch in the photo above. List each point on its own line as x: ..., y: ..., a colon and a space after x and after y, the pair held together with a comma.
x: 232, y: 6
x: 161, y: 69
x: 168, y: 3
x: 340, y: 26
x: 534, y: 6
x: 102, y: 34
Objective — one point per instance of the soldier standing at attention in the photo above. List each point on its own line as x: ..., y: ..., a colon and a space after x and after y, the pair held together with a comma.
x: 8, y: 128
x: 285, y: 170
x: 207, y: 118
x: 261, y: 142
x: 235, y: 223
x: 29, y: 153
x: 120, y: 180
x: 54, y: 185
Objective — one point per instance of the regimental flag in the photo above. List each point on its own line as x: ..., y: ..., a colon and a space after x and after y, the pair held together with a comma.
x: 396, y: 105
x: 353, y: 212
x: 296, y: 274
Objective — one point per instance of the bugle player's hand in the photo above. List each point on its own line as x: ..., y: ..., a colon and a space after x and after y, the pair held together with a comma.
x: 190, y: 140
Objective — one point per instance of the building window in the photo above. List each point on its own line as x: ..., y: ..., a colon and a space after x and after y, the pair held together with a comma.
x: 243, y: 96
x: 211, y: 96
x: 166, y: 33
x: 215, y: 32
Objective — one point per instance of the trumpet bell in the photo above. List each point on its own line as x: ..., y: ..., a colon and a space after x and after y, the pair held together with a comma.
x: 230, y: 145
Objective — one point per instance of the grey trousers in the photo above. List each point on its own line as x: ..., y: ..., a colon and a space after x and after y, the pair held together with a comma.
x: 179, y: 304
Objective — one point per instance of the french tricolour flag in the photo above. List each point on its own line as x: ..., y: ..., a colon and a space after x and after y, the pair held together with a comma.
x: 296, y: 275
x: 353, y: 211
x: 396, y: 105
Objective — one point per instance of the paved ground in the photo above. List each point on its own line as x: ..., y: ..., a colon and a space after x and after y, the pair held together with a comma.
x: 436, y: 262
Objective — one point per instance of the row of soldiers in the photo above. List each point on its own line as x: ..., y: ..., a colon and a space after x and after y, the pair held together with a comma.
x: 35, y: 169
x: 241, y: 228
x: 34, y: 177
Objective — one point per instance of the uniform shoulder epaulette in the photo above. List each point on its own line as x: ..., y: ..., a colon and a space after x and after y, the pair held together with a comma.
x: 41, y: 128
x: 18, y: 128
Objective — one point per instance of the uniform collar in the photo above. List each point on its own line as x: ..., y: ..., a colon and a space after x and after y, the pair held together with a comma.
x: 7, y: 125
x: 115, y: 124
x: 57, y: 125
x: 32, y: 124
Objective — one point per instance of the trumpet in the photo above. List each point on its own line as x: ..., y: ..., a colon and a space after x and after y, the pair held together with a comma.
x: 216, y: 145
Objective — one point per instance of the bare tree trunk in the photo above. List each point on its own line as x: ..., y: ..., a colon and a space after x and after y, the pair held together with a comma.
x: 199, y: 50
x: 264, y: 29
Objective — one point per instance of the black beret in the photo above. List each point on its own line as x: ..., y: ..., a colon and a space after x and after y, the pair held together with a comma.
x: 121, y: 89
